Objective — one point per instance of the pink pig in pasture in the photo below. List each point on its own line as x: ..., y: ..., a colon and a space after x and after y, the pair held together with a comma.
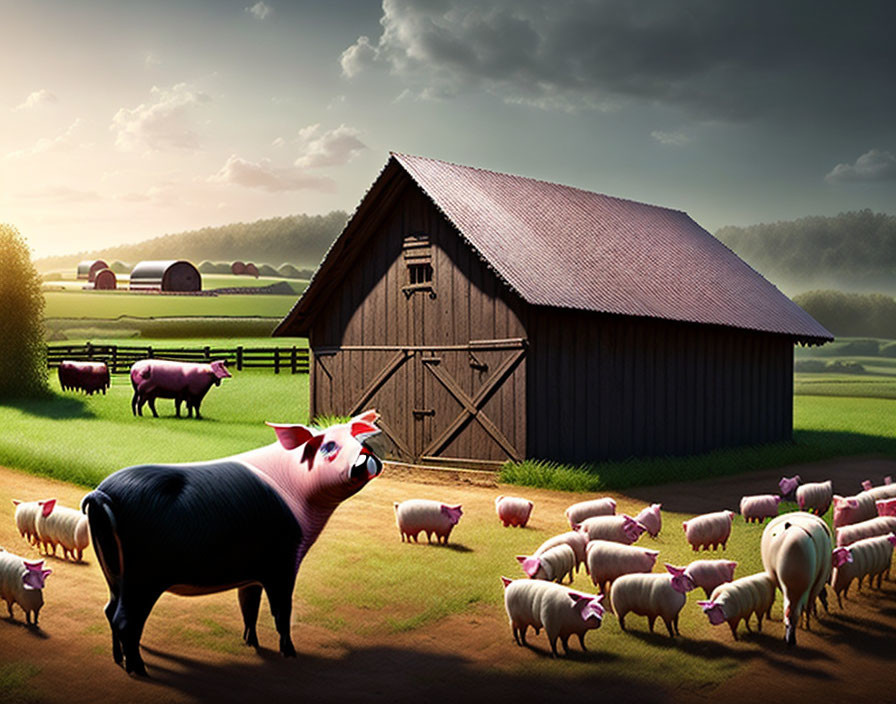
x: 513, y: 510
x: 182, y: 381
x: 430, y: 517
x: 709, y: 529
x: 758, y: 507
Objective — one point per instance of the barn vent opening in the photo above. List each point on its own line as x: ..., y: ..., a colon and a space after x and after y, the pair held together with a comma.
x: 420, y: 273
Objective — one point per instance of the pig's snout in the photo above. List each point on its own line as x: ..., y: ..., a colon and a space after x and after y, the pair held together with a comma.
x: 367, y: 466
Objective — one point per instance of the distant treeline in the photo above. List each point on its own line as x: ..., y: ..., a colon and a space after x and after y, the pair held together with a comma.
x: 301, y: 240
x: 852, y: 251
x: 852, y: 314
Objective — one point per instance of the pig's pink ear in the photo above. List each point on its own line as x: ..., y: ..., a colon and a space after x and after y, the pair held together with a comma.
x: 361, y: 430
x: 370, y: 416
x: 530, y: 564
x: 452, y: 512
x: 291, y: 436
x: 47, y: 506
x: 892, y: 538
x: 673, y: 570
x: 16, y: 502
x: 219, y: 367
x: 505, y: 581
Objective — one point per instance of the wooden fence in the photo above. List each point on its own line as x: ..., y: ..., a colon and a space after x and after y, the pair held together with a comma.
x: 120, y: 358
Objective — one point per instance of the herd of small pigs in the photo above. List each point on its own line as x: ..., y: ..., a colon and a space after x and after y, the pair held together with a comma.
x: 141, y: 523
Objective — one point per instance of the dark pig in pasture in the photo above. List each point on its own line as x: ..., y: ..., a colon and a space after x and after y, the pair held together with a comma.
x: 88, y: 377
x: 243, y: 522
x: 182, y: 381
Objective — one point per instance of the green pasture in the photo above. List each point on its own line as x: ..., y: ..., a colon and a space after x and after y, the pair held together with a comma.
x: 113, y: 304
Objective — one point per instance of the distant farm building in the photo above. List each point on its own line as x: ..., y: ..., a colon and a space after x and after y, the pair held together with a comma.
x: 106, y: 280
x: 238, y: 268
x: 251, y: 270
x: 175, y: 275
x: 88, y: 269
x: 490, y: 317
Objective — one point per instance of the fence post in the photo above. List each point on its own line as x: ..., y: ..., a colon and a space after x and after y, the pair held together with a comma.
x: 89, y: 351
x: 293, y: 359
x: 114, y: 359
x: 276, y: 360
x: 208, y: 355
x: 149, y: 352
x: 239, y: 358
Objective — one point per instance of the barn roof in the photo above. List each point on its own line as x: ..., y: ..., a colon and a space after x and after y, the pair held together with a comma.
x: 154, y: 269
x: 564, y: 247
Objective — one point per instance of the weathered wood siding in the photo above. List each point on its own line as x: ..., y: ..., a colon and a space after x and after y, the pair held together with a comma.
x: 611, y: 387
x: 371, y: 309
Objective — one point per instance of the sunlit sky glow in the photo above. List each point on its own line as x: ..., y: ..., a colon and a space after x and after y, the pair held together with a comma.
x: 121, y: 121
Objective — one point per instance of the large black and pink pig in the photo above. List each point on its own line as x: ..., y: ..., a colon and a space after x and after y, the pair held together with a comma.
x: 241, y: 522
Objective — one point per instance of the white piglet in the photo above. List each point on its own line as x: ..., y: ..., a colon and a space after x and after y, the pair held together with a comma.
x: 651, y: 518
x: 22, y: 583
x: 513, y: 510
x: 870, y: 557
x: 552, y: 565
x: 849, y: 534
x: 652, y: 595
x: 66, y: 527
x: 424, y: 515
x: 738, y: 600
x: 562, y: 612
x: 26, y: 519
x: 709, y: 574
x: 758, y: 507
x: 607, y: 561
x: 577, y: 513
x: 815, y: 497
x: 576, y: 540
x: 709, y: 529
x: 620, y: 529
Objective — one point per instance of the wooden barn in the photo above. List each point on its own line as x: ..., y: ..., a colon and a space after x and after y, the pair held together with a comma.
x: 492, y: 317
x: 174, y: 275
x: 89, y: 268
x: 105, y: 280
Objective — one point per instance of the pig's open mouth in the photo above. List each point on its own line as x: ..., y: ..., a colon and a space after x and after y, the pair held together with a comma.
x: 366, y: 467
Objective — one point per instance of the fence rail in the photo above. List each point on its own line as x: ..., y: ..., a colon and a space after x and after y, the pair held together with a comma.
x: 120, y: 358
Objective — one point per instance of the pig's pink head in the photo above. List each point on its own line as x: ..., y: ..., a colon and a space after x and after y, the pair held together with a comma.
x: 887, y: 507
x: 633, y: 529
x: 788, y: 484
x: 778, y: 499
x: 866, y: 485
x: 730, y: 566
x: 588, y: 606
x: 453, y: 513
x: 530, y: 565
x: 35, y: 576
x: 891, y: 537
x: 730, y: 515
x: 681, y: 581
x: 714, y: 611
x: 337, y: 462
x: 840, y: 556
x: 47, y: 506
x: 653, y: 554
x: 219, y: 369
x: 843, y: 509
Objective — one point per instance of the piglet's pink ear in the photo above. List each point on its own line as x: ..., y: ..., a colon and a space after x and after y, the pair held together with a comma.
x: 530, y: 564
x: 16, y: 502
x: 674, y: 571
x: 505, y: 581
x: 47, y: 506
x: 361, y: 430
x: 291, y: 436
x: 370, y: 416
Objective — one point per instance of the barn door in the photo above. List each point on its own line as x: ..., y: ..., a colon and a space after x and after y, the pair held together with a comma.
x: 473, y: 402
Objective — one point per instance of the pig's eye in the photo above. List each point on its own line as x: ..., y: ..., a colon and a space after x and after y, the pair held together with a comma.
x: 329, y: 448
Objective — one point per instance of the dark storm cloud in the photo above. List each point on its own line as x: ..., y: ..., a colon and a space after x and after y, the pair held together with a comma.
x: 714, y: 60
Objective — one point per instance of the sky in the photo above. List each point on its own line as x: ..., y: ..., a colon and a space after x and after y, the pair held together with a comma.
x: 121, y: 121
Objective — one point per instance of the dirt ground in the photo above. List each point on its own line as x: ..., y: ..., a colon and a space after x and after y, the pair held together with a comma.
x: 470, y: 657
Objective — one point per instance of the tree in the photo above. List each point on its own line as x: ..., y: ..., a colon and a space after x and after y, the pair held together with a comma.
x: 23, y: 354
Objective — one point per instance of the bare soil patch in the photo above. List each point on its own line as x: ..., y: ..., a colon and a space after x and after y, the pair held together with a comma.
x: 193, y: 650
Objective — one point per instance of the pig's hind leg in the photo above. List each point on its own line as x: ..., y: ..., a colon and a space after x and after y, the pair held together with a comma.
x: 250, y: 601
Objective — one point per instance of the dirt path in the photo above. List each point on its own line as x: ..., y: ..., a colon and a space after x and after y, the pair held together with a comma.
x: 471, y: 656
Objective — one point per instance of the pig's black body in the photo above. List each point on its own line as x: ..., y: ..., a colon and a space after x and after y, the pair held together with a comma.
x: 191, y: 529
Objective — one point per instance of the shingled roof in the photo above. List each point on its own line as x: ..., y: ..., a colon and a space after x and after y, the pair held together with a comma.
x: 564, y: 247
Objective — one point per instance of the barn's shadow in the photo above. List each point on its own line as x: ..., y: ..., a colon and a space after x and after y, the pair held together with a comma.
x: 679, y: 494
x: 55, y: 407
x: 382, y: 674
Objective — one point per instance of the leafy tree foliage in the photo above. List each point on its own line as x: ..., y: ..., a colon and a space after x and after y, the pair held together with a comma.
x: 851, y: 314
x: 849, y: 250
x: 300, y: 239
x: 23, y: 357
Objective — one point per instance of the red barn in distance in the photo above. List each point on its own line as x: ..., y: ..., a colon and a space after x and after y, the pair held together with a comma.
x: 88, y: 268
x: 105, y: 280
x: 491, y: 317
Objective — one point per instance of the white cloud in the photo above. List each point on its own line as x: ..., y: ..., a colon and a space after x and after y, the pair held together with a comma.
x: 35, y: 99
x: 357, y: 57
x: 151, y: 59
x: 873, y: 165
x: 334, y: 148
x: 260, y: 10
x: 160, y: 125
x: 672, y: 139
x: 263, y: 175
x: 278, y: 142
x: 64, y: 141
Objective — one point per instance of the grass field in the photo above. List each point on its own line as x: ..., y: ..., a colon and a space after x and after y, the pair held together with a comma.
x: 113, y: 304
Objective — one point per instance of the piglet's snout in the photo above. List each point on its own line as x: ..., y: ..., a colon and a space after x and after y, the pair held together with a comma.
x: 367, y: 466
